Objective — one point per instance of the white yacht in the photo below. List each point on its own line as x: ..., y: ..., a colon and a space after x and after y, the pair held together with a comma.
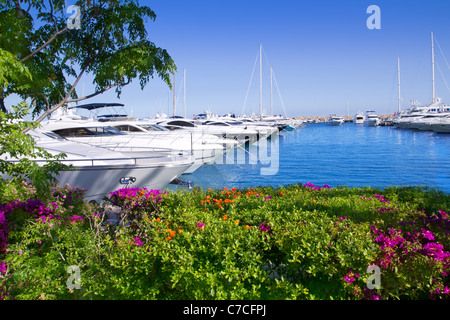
x: 359, y: 118
x: 440, y: 125
x: 372, y: 119
x: 100, y: 170
x: 334, y: 120
x: 424, y: 118
x: 102, y: 134
x: 423, y: 123
x: 413, y: 118
x: 223, y: 130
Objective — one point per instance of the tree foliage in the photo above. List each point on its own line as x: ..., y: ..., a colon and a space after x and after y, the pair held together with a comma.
x: 112, y: 46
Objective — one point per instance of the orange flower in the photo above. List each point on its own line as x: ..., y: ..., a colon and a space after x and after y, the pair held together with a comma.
x: 281, y: 193
x: 225, y: 217
x: 314, y: 201
x: 247, y: 227
x: 180, y: 231
x: 168, y: 238
x: 158, y: 220
x: 172, y: 234
x: 236, y: 222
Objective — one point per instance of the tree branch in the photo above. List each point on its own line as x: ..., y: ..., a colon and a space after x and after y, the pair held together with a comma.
x: 18, y: 9
x: 45, y: 44
x: 99, y: 92
x: 53, y: 17
x: 64, y: 101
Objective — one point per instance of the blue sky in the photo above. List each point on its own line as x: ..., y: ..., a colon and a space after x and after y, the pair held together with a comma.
x: 325, y: 59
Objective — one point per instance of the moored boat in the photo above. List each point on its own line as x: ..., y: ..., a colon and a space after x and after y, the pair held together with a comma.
x: 372, y: 119
x: 334, y: 120
x: 359, y: 118
x: 100, y: 170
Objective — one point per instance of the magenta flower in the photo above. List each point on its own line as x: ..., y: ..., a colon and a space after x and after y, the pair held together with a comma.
x: 76, y: 218
x: 264, y: 227
x: 427, y: 234
x: 2, y: 267
x: 350, y: 277
x: 138, y: 242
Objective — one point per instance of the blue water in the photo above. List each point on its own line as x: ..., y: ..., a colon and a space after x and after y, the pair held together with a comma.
x: 349, y: 155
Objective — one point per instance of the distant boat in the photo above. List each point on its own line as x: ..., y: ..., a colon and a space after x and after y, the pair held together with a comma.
x: 359, y: 118
x: 425, y: 117
x: 335, y: 120
x: 372, y: 119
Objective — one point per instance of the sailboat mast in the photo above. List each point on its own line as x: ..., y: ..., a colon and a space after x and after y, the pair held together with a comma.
x: 271, y: 94
x: 398, y: 78
x: 260, y: 80
x: 184, y: 88
x: 432, y: 65
x: 174, y: 94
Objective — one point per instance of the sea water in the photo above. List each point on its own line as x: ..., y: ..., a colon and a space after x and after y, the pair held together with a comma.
x: 349, y: 155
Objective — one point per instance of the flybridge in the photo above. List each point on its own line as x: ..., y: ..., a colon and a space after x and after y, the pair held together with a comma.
x: 94, y: 108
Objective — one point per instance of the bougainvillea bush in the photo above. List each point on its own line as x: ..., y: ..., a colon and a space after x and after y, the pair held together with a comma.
x: 294, y: 242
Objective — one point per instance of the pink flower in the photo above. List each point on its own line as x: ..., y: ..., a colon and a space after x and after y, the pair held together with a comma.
x: 138, y: 242
x: 427, y: 234
x: 76, y: 218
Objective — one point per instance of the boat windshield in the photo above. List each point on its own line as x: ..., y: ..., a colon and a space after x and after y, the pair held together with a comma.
x: 87, y: 132
x: 128, y: 128
x: 153, y: 127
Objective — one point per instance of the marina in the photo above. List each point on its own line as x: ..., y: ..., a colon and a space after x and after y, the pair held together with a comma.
x: 379, y: 151
x: 147, y: 154
x: 348, y: 155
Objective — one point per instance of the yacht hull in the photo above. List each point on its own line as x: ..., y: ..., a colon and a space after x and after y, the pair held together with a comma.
x: 99, y: 181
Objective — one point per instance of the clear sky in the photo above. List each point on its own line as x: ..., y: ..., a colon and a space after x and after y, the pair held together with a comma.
x: 324, y: 57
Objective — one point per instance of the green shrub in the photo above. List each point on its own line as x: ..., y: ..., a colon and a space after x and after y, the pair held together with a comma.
x: 295, y: 242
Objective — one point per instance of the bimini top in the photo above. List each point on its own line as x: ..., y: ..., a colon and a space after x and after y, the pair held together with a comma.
x: 92, y: 106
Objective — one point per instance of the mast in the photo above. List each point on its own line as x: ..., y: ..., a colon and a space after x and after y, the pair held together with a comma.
x: 184, y: 88
x: 432, y: 65
x: 348, y: 110
x: 260, y: 81
x: 398, y: 78
x: 174, y: 104
x: 271, y: 95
